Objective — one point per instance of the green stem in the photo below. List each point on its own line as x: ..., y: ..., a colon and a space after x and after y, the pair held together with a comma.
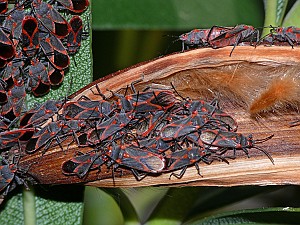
x: 29, y: 206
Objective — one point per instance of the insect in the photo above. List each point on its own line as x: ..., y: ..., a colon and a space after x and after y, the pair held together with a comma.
x: 30, y: 36
x: 76, y: 6
x: 147, y: 101
x: 282, y: 35
x: 6, y: 46
x: 149, y: 123
x: 109, y: 127
x: 7, y: 176
x: 10, y: 138
x: 54, y: 51
x: 87, y: 110
x: 53, y: 131
x: 201, y: 37
x: 40, y: 113
x: 136, y: 159
x: 55, y: 76
x: 178, y: 129
x: 155, y: 144
x: 16, y: 96
x: 13, y: 24
x: 75, y: 35
x: 183, y: 158
x: 81, y: 164
x: 38, y: 82
x: 12, y: 72
x: 231, y: 140
x: 210, y: 113
x: 50, y: 18
x: 236, y: 35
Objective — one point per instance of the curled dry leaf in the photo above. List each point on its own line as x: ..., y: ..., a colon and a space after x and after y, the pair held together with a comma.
x: 259, y: 87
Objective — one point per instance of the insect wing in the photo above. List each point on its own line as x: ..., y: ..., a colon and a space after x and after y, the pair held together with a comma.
x: 6, y: 46
x: 75, y: 35
x: 55, y: 76
x: 76, y: 6
x: 6, y: 176
x: 142, y: 160
x: 30, y: 35
x: 80, y: 165
x: 55, y: 52
x: 51, y: 19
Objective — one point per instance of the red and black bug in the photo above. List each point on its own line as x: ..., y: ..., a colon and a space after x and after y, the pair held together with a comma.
x: 183, y: 158
x: 283, y: 35
x: 147, y: 101
x: 53, y: 131
x: 83, y: 110
x: 13, y: 137
x: 230, y: 140
x: 211, y: 113
x: 41, y: 113
x: 236, y: 35
x: 50, y: 18
x: 30, y: 36
x: 12, y: 175
x: 155, y: 144
x: 136, y: 159
x: 6, y: 45
x: 54, y: 51
x: 16, y: 97
x: 178, y: 129
x: 76, y: 6
x: 75, y: 35
x: 81, y: 164
x: 12, y: 72
x: 108, y: 128
x: 201, y: 37
x: 7, y: 176
x: 55, y: 76
x: 149, y: 123
x: 38, y: 82
x: 13, y: 24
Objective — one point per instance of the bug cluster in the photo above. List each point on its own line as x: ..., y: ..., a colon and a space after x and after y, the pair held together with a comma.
x: 149, y: 132
x: 218, y: 37
x: 36, y: 41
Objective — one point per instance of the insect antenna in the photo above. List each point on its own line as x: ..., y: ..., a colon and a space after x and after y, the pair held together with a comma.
x: 266, y: 153
x: 264, y: 139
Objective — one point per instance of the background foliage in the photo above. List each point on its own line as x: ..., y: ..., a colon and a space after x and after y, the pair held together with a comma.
x: 129, y: 31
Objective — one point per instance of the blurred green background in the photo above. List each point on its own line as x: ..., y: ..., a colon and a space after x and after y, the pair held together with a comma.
x: 129, y: 31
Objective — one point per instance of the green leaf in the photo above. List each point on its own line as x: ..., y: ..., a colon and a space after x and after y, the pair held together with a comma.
x: 174, y: 14
x: 174, y: 207
x: 274, y: 12
x: 217, y: 198
x: 12, y: 211
x: 277, y: 215
x: 144, y: 200
x: 293, y: 16
x: 101, y: 208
